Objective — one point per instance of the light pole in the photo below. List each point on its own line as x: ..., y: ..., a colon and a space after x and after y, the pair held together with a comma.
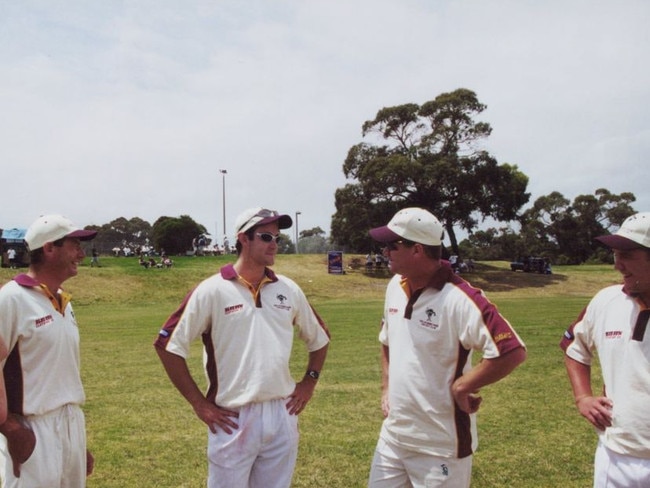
x: 223, y: 194
x: 297, y: 213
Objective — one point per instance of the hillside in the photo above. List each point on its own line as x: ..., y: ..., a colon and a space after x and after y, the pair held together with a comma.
x: 122, y: 280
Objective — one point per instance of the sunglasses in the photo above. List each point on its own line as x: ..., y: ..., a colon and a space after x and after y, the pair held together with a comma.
x: 392, y: 246
x: 268, y: 237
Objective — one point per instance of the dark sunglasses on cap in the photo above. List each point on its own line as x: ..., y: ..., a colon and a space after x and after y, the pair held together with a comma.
x: 268, y: 237
x: 264, y: 213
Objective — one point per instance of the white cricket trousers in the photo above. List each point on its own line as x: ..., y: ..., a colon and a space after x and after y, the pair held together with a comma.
x: 59, y: 457
x: 261, y: 453
x: 613, y: 470
x: 395, y: 467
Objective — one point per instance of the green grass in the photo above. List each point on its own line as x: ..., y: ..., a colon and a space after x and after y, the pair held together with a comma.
x: 144, y: 434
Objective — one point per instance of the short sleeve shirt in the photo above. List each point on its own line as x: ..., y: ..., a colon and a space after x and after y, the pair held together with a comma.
x: 247, y: 336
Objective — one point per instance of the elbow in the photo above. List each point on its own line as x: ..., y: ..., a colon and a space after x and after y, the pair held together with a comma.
x: 519, y: 355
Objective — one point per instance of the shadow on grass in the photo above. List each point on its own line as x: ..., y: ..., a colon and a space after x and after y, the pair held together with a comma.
x: 495, y: 279
x: 485, y: 276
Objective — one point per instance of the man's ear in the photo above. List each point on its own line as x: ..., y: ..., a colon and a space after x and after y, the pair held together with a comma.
x: 48, y: 247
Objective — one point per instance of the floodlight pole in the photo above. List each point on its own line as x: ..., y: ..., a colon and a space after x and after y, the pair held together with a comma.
x: 223, y: 194
x: 297, y: 251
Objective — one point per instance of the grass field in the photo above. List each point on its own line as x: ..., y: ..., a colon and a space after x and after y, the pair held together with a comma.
x: 144, y: 434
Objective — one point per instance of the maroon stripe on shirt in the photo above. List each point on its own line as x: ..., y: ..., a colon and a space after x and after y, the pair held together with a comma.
x: 168, y: 327
x: 568, y: 336
x: 502, y: 333
x: 210, y: 367
x: 462, y: 419
x: 14, y: 383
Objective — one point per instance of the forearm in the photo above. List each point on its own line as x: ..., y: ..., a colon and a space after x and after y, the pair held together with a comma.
x: 579, y: 376
x: 316, y: 359
x: 596, y: 409
x: 489, y: 371
x: 180, y: 376
x: 384, y: 367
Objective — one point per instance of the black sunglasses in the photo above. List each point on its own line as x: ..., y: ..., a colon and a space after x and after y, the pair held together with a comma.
x: 392, y: 246
x: 268, y: 237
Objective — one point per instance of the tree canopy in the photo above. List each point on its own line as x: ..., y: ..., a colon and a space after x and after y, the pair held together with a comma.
x: 175, y: 234
x: 556, y: 228
x: 121, y: 232
x: 429, y: 158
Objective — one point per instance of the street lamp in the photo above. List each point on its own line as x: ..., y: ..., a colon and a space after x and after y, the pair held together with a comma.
x: 297, y: 213
x: 223, y: 194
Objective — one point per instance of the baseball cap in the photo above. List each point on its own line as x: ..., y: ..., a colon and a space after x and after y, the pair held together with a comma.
x: 633, y: 234
x: 50, y: 228
x: 413, y: 224
x: 256, y: 216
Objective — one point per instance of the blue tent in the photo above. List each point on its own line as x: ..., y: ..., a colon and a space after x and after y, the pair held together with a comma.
x: 13, y: 236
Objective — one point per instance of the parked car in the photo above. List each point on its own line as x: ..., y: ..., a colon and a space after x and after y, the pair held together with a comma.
x: 532, y: 265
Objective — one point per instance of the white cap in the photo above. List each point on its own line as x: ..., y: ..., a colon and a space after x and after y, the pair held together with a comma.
x: 257, y: 216
x: 50, y: 228
x: 412, y: 224
x: 633, y: 234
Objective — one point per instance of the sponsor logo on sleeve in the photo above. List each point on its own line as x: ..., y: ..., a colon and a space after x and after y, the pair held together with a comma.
x: 503, y: 336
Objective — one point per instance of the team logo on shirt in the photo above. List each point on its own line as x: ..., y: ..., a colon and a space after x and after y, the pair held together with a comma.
x: 40, y: 322
x: 429, y: 323
x: 281, y: 298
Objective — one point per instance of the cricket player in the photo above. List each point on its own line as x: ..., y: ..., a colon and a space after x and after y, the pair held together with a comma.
x: 614, y: 325
x: 45, y: 428
x: 246, y: 316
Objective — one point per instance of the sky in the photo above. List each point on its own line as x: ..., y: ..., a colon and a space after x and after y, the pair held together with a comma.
x: 122, y: 108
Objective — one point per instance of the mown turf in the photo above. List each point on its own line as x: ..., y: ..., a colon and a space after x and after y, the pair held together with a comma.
x: 144, y: 434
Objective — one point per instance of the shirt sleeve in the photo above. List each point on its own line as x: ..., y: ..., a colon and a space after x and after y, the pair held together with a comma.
x: 577, y: 341
x: 311, y: 327
x: 187, y: 323
x: 483, y: 328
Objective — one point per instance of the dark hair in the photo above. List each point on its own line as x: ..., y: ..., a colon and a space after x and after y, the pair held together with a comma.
x: 434, y: 252
x: 36, y: 256
x: 250, y: 233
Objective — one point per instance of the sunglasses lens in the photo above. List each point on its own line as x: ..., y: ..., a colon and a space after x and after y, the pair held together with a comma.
x: 266, y: 237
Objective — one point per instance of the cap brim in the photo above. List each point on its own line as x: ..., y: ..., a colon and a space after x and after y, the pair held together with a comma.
x: 384, y: 234
x: 83, y: 235
x: 614, y: 241
x: 284, y: 221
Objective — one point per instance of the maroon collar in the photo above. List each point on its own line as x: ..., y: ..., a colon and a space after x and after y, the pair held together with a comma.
x: 442, y: 276
x: 228, y: 272
x: 25, y: 280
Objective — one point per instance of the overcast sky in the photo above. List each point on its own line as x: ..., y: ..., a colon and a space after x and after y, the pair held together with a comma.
x: 116, y: 108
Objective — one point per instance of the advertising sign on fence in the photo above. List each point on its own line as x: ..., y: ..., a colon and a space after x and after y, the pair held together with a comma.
x: 335, y: 262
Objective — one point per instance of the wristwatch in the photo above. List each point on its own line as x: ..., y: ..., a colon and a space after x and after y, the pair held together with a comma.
x: 313, y: 374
